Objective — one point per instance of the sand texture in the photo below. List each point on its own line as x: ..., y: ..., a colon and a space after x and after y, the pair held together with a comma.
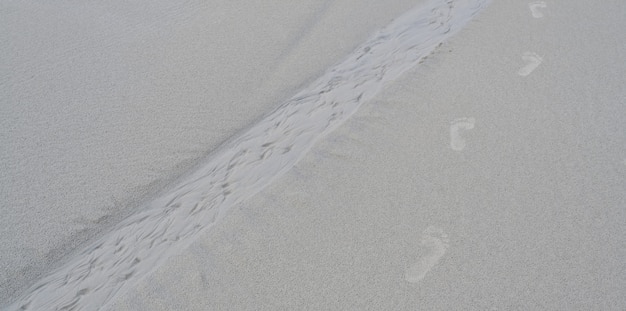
x: 105, y: 105
x: 390, y: 213
x: 279, y: 156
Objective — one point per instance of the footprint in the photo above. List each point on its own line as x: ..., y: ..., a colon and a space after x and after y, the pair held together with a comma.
x: 435, y: 244
x: 535, y: 6
x: 457, y: 142
x: 533, y: 60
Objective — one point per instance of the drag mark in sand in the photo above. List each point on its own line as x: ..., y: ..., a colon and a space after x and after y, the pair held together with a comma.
x: 534, y: 8
x: 246, y: 164
x: 435, y: 244
x: 457, y: 142
x: 532, y: 62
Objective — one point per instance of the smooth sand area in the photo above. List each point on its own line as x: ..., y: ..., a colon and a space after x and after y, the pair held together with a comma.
x: 105, y: 104
x: 491, y: 177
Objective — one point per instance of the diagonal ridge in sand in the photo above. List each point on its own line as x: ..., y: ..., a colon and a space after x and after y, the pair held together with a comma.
x: 246, y: 164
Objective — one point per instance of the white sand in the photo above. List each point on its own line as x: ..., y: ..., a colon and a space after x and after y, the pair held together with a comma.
x: 386, y: 214
x: 106, y: 104
x: 487, y: 177
x: 246, y: 164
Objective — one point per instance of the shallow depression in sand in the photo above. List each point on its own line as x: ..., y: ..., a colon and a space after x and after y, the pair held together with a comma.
x: 434, y: 245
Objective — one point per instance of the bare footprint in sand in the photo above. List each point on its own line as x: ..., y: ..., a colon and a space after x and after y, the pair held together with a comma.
x: 457, y: 142
x: 535, y: 6
x: 435, y: 244
x: 532, y: 62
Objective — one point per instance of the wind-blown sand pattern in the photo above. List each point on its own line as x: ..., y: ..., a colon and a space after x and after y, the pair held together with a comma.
x: 246, y: 164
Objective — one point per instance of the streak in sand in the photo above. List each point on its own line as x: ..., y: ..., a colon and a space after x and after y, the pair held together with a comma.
x: 246, y: 164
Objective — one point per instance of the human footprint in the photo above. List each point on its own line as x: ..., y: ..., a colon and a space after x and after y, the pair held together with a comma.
x: 532, y: 62
x: 457, y: 142
x: 535, y: 6
x: 435, y: 244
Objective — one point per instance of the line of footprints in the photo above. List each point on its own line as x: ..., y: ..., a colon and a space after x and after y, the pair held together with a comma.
x: 532, y: 60
x: 435, y: 242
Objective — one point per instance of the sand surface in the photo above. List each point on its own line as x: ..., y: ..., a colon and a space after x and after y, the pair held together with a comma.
x: 106, y: 104
x: 490, y: 176
x: 463, y: 185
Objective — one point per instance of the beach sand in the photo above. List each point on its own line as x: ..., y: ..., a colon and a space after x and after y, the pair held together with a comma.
x: 106, y: 105
x: 463, y: 185
x: 490, y: 176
